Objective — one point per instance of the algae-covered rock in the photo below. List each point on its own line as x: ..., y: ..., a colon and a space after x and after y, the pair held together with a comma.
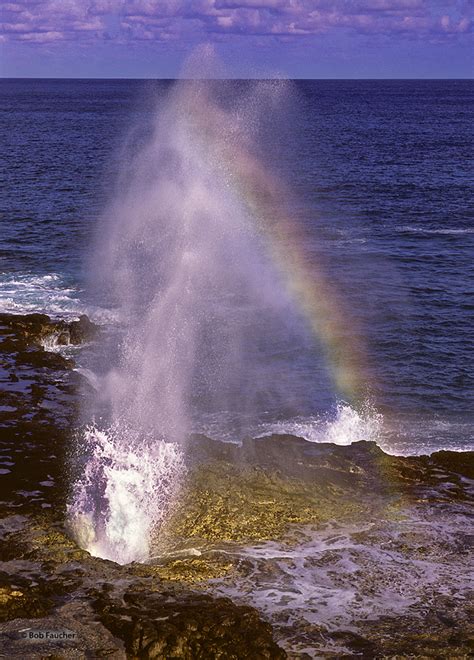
x: 55, y: 546
x: 255, y: 491
x: 225, y: 502
x: 30, y: 598
x: 27, y: 603
x: 189, y: 569
x: 261, y: 489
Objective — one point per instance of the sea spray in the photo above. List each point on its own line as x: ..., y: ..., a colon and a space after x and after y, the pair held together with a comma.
x: 222, y: 313
x: 126, y: 487
x: 179, y: 254
x: 343, y: 426
x: 183, y: 256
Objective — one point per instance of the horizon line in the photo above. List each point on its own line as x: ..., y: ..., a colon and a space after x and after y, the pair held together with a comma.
x: 106, y: 78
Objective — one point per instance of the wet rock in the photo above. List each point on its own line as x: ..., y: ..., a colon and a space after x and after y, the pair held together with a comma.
x: 42, y: 358
x: 82, y: 330
x: 405, y: 636
x: 24, y: 603
x: 47, y: 573
x: 227, y: 502
x: 34, y: 329
x: 27, y: 597
x: 12, y: 547
x: 460, y: 462
x: 359, y: 645
x: 73, y: 632
x: 186, y: 626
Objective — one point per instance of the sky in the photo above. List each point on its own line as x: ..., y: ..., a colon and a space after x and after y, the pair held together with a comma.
x: 253, y: 38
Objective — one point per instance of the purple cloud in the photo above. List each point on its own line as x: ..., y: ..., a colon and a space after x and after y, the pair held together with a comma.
x: 49, y: 21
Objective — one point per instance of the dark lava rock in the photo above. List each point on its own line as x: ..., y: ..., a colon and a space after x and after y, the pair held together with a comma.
x: 460, y: 462
x: 82, y: 330
x: 361, y: 465
x: 188, y: 626
x: 43, y: 358
x: 32, y: 329
x: 21, y: 597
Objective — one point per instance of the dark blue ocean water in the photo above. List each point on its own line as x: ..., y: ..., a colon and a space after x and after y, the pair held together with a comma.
x: 382, y: 177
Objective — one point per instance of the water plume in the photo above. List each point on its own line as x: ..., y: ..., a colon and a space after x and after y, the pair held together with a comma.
x: 124, y: 492
x: 218, y: 303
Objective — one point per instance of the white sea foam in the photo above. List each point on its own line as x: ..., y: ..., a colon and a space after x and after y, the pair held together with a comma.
x: 397, y: 434
x: 411, y: 435
x: 27, y: 293
x: 125, y: 490
x: 340, y: 575
x: 51, y: 343
x: 447, y: 231
x: 346, y: 426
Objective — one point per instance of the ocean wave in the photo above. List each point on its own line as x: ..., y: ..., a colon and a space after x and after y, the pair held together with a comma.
x: 408, y: 435
x: 441, y: 231
x: 398, y: 435
x: 27, y: 293
x: 348, y: 425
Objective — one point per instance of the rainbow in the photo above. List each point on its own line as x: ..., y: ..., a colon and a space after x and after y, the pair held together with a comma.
x: 308, y: 285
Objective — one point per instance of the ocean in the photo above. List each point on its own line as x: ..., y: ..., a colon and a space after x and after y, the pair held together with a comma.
x: 379, y: 174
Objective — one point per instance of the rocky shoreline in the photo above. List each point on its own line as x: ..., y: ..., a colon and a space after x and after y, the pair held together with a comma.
x: 254, y: 524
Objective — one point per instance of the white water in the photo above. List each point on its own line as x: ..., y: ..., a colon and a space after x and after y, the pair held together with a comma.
x: 134, y: 479
x: 26, y: 293
x: 348, y: 425
x: 52, y: 294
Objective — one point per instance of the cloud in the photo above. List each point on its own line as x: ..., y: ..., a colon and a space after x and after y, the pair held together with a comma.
x: 46, y: 21
x: 41, y: 37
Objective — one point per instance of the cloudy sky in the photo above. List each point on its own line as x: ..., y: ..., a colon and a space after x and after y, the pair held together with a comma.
x: 254, y: 38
